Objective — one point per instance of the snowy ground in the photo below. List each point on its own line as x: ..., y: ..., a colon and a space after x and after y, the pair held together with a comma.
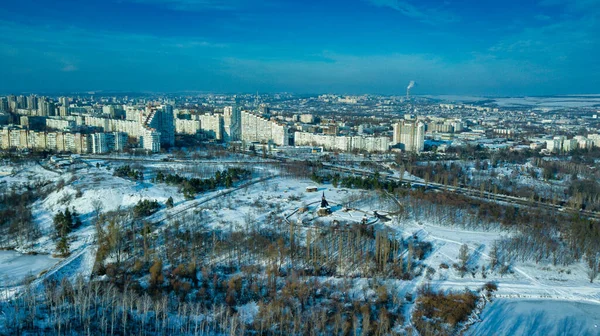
x: 278, y: 195
x: 14, y: 266
x: 555, y: 102
x: 531, y: 296
x: 538, y: 317
x: 527, y: 280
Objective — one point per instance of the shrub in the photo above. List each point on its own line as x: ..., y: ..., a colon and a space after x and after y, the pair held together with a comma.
x: 440, y: 313
x: 490, y: 286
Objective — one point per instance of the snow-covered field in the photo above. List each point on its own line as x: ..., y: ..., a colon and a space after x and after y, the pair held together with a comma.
x: 15, y: 266
x: 527, y: 280
x: 538, y: 317
x: 569, y: 101
x: 531, y: 298
x: 277, y: 195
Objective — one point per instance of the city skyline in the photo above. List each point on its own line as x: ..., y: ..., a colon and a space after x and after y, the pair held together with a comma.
x: 356, y: 47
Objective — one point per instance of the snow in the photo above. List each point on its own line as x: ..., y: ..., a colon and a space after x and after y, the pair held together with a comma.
x: 112, y: 192
x: 532, y: 299
x: 247, y: 312
x: 527, y: 280
x: 538, y: 317
x: 15, y: 266
x: 254, y: 203
x: 549, y: 102
x: 555, y: 102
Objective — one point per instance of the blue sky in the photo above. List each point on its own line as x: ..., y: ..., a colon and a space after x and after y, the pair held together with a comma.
x: 525, y: 47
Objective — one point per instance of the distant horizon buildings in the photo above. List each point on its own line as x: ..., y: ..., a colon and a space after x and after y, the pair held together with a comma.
x: 338, y: 123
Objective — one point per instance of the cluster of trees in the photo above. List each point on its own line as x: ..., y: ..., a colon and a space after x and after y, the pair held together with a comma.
x: 127, y: 171
x: 17, y: 227
x: 440, y: 313
x: 271, y: 265
x: 374, y: 182
x: 578, y: 194
x: 541, y: 235
x: 297, y: 307
x: 145, y: 207
x: 192, y: 186
x: 64, y: 223
x: 584, y: 194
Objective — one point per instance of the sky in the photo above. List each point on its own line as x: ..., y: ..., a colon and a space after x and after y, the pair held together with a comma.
x: 492, y: 48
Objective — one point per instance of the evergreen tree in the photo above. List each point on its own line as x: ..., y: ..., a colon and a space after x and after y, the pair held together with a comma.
x: 62, y: 246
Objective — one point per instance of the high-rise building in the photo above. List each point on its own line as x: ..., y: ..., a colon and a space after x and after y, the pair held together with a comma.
x: 264, y: 110
x: 63, y: 111
x: 21, y: 102
x: 232, y: 120
x: 258, y: 129
x: 101, y: 142
x: 32, y: 102
x: 108, y: 110
x: 150, y: 139
x: 410, y: 135
x: 4, y: 104
x: 120, y: 139
x: 46, y: 108
x: 161, y: 119
x: 64, y: 101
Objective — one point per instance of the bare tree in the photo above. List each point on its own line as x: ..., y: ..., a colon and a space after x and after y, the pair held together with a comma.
x: 98, y: 206
x: 592, y: 261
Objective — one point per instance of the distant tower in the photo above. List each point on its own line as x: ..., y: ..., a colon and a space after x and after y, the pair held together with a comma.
x: 410, y: 86
x: 324, y: 209
x: 324, y: 203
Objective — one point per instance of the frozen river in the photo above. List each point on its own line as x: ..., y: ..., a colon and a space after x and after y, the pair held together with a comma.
x: 15, y: 266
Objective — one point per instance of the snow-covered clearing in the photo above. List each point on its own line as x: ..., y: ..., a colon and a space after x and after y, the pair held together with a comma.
x: 531, y: 298
x: 538, y: 317
x: 281, y: 195
x: 526, y: 280
x: 15, y: 266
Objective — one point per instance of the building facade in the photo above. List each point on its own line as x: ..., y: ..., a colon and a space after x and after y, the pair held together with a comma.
x: 410, y: 135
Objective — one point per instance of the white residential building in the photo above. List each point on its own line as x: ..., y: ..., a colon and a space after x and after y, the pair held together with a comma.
x: 162, y: 120
x: 258, y: 129
x: 411, y: 135
x: 212, y: 124
x: 150, y: 140
x: 232, y: 120
x: 342, y: 143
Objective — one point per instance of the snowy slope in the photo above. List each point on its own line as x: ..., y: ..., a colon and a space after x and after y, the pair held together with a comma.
x: 538, y: 317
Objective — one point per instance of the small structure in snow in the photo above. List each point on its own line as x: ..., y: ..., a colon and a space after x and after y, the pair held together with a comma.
x: 382, y: 218
x: 312, y: 189
x: 324, y: 209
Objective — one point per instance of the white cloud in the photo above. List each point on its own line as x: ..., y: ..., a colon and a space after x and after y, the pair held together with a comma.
x: 479, y: 74
x: 69, y: 68
x: 573, y: 5
x: 421, y: 14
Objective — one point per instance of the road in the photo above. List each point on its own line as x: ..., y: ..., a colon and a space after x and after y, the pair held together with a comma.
x: 472, y: 193
x: 479, y: 194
